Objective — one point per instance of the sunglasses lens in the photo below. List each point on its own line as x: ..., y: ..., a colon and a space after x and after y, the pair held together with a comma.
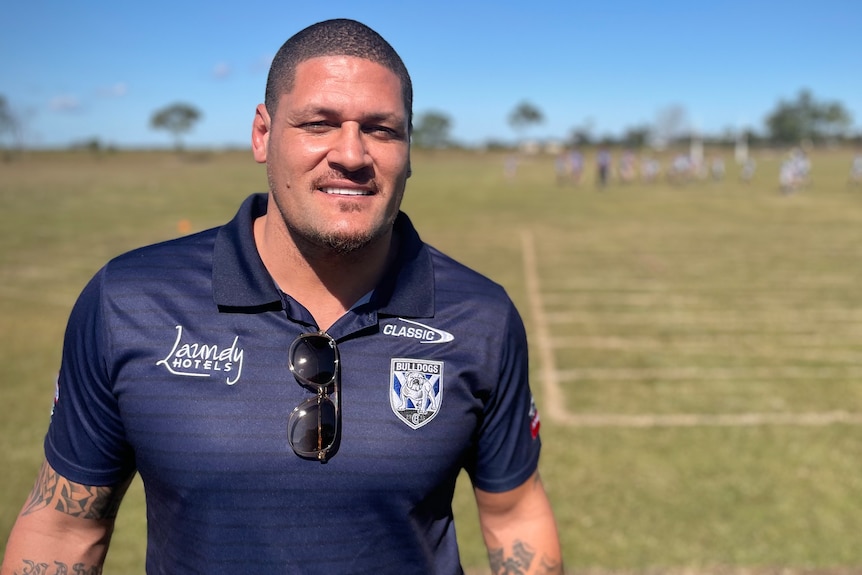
x: 312, y: 426
x: 312, y: 429
x: 313, y: 359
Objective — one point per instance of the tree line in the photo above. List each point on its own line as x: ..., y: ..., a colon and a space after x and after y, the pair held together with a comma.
x: 803, y: 119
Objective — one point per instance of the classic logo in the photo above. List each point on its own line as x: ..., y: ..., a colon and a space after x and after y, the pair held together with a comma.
x: 418, y: 331
x: 415, y: 390
x: 194, y: 359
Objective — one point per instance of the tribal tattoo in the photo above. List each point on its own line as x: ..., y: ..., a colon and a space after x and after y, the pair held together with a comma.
x: 83, y: 501
x: 53, y: 491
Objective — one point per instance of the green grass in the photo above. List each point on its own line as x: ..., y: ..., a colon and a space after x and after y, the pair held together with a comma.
x: 713, y: 298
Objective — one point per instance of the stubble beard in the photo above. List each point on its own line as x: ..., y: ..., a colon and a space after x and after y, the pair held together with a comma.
x: 334, y: 242
x: 344, y: 243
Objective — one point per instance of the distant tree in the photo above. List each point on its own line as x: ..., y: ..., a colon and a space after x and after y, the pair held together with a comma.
x: 671, y: 125
x: 580, y: 137
x: 606, y: 140
x: 431, y: 130
x: 806, y: 119
x: 637, y: 136
x: 836, y: 120
x: 524, y: 116
x: 92, y: 145
x: 177, y: 119
x: 8, y: 127
x: 7, y: 120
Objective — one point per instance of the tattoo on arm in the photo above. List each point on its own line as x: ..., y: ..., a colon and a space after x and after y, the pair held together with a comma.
x: 43, y: 490
x: 34, y: 568
x: 83, y: 501
x: 520, y: 562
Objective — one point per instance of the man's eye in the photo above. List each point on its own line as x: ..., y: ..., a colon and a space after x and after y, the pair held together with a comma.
x: 382, y: 132
x: 316, y: 126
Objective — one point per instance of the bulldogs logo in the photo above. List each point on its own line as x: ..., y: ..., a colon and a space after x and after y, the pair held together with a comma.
x: 415, y: 390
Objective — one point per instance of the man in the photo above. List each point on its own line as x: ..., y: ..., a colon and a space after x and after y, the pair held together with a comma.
x: 317, y: 309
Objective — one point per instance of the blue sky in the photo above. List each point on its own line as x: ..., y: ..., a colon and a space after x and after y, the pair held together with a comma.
x: 77, y: 70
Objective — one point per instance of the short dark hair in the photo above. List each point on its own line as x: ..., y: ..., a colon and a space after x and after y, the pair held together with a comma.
x: 339, y: 37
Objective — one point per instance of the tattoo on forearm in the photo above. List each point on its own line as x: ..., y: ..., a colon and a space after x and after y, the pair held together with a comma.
x: 520, y: 562
x: 34, y: 568
x: 84, y: 501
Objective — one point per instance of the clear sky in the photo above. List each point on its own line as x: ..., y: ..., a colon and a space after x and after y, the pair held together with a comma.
x: 99, y: 69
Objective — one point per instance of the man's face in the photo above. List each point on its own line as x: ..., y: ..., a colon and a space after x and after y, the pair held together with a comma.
x: 337, y: 152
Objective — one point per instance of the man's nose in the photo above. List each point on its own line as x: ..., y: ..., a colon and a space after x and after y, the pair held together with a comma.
x: 349, y: 150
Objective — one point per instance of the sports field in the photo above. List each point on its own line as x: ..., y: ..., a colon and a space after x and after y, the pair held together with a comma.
x: 696, y: 349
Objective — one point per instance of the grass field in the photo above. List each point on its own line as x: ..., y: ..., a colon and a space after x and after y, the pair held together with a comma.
x: 697, y: 349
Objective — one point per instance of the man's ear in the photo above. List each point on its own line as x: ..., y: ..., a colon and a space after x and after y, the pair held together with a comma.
x: 260, y: 128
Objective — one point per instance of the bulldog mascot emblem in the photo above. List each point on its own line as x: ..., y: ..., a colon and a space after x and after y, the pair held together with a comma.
x: 416, y: 390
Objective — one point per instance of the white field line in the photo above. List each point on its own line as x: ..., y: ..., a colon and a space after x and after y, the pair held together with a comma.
x: 553, y: 394
x: 554, y: 399
x: 694, y: 374
x: 818, y: 419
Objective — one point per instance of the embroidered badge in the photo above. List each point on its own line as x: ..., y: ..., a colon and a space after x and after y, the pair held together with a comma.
x: 415, y: 390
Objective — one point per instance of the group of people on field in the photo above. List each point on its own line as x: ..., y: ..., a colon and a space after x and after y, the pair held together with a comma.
x: 794, y: 172
x: 629, y: 168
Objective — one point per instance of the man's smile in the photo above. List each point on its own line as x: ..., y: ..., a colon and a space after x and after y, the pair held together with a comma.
x: 346, y: 192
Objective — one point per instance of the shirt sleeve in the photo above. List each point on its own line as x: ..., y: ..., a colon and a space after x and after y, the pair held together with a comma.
x: 86, y: 442
x: 508, y: 443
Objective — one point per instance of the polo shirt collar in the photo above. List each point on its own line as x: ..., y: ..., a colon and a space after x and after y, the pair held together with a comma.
x: 241, y: 282
x: 407, y: 287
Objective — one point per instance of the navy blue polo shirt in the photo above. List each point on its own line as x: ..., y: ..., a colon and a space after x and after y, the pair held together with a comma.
x: 175, y: 366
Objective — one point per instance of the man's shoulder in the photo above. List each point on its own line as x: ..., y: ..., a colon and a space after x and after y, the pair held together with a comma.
x: 185, y: 246
x: 453, y: 275
x: 162, y: 260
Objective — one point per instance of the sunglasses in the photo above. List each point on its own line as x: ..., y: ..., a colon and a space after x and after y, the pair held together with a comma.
x: 313, y: 429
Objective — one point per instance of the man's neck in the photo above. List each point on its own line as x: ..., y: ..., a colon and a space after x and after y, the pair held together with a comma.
x: 327, y: 283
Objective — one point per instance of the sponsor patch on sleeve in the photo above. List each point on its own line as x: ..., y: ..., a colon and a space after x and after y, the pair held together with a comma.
x: 534, y: 419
